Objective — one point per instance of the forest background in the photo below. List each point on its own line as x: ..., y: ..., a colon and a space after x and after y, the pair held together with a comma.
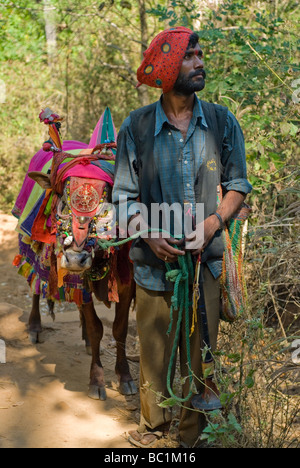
x: 79, y: 57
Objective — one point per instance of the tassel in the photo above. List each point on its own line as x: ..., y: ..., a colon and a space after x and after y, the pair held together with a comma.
x: 47, y: 146
x: 17, y: 260
x: 38, y: 286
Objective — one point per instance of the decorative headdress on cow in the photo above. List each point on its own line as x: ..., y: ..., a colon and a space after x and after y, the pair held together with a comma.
x: 163, y: 59
x: 53, y: 120
x: 80, y: 167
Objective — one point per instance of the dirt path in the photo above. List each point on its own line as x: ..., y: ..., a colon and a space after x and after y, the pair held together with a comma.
x: 43, y: 388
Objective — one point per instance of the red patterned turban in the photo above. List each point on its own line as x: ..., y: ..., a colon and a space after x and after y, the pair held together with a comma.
x: 163, y: 59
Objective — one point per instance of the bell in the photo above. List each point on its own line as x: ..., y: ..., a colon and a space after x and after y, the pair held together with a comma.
x: 82, y: 219
x: 68, y: 241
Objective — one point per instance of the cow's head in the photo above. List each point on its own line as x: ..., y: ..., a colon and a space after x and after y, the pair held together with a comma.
x: 83, y: 214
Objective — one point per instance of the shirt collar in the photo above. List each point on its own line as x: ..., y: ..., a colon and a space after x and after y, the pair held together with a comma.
x: 161, y: 118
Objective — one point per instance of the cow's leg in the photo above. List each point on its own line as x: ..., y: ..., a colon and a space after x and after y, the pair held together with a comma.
x: 34, y: 323
x: 94, y: 330
x: 120, y: 328
x: 51, y: 305
x: 84, y: 334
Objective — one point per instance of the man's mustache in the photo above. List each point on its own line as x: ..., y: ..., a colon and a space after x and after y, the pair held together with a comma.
x: 198, y: 73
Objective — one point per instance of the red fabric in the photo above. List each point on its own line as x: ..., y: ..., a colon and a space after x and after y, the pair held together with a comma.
x: 163, y: 59
x: 38, y: 231
x: 88, y: 172
x: 17, y: 260
x: 57, y: 174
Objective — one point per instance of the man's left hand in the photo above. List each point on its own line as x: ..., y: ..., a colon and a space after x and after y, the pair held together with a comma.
x: 200, y: 238
x: 204, y: 232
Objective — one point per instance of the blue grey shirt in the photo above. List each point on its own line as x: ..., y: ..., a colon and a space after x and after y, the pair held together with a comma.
x: 178, y: 161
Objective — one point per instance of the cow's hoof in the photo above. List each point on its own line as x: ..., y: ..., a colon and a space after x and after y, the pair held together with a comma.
x: 128, y: 388
x: 97, y: 393
x: 33, y: 337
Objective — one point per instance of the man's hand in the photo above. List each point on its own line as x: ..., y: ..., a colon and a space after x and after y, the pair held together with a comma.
x: 163, y: 250
x: 200, y: 238
x: 204, y: 232
x: 161, y: 246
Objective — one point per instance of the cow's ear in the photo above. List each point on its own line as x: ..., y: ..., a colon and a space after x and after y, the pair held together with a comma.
x: 40, y: 178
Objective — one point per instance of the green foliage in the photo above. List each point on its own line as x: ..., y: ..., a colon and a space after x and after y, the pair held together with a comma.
x: 91, y: 68
x: 22, y: 34
x: 168, y: 403
x: 221, y: 430
x: 252, y: 61
x: 176, y: 12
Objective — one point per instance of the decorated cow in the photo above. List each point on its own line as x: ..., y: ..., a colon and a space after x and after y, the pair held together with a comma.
x: 63, y: 211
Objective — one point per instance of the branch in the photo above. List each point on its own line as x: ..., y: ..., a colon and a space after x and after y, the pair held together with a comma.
x: 121, y: 31
x: 268, y: 66
x: 121, y: 67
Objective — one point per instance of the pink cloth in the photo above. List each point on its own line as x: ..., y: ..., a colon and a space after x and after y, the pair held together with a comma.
x: 89, y: 171
x: 36, y: 164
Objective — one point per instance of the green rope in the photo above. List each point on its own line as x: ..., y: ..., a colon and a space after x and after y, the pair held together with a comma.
x: 105, y: 244
x: 180, y: 301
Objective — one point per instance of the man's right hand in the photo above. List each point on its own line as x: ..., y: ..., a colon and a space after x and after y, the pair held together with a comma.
x: 163, y: 250
x: 160, y: 245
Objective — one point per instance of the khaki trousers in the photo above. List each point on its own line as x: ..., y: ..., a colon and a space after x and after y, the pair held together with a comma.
x: 153, y: 319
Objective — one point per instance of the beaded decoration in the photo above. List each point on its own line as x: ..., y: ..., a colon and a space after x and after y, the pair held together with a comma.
x: 101, y: 224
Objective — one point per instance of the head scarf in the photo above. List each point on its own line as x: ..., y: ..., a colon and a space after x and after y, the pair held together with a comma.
x: 163, y: 59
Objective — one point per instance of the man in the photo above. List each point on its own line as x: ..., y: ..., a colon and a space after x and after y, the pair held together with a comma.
x: 174, y: 152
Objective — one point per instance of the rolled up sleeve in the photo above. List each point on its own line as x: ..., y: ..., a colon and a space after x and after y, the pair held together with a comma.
x: 234, y: 173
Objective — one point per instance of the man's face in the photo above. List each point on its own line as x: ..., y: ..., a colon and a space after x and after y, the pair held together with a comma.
x: 192, y: 75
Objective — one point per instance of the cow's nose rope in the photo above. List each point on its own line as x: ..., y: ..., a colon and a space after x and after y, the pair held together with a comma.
x: 182, y: 277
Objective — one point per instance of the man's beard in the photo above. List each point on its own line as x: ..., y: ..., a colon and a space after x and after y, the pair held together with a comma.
x: 186, y: 85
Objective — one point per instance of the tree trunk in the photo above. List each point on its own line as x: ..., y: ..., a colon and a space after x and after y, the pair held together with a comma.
x: 143, y: 95
x: 50, y: 31
x: 142, y: 91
